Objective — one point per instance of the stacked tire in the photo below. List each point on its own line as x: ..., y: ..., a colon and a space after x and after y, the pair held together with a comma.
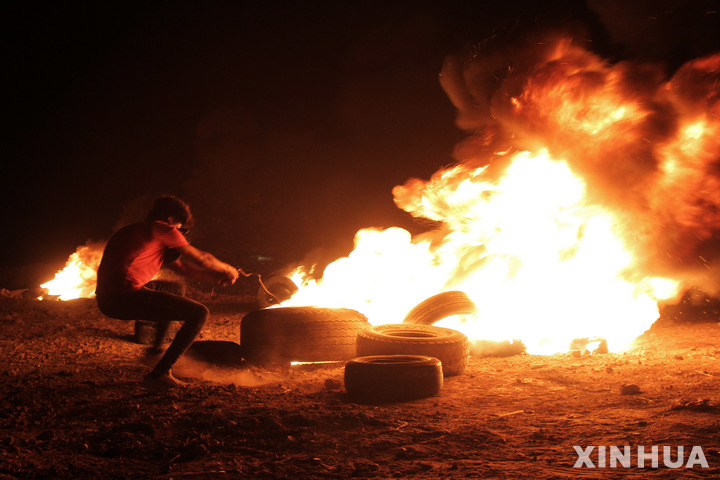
x: 449, y: 346
x: 389, y: 378
x: 399, y: 362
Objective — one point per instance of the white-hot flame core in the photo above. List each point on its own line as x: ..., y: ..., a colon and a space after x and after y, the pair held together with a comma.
x: 541, y: 264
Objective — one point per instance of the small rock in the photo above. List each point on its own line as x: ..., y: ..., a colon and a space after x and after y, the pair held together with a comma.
x: 631, y: 389
x: 364, y: 468
x: 602, y: 347
x: 298, y: 420
x: 332, y: 384
x: 703, y: 405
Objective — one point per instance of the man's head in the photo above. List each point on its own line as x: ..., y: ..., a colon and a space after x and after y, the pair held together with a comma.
x: 171, y: 209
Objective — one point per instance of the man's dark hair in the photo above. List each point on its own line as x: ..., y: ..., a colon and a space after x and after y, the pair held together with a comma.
x: 171, y: 206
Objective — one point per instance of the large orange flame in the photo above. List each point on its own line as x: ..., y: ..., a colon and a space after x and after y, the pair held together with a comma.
x: 581, y: 199
x: 546, y: 271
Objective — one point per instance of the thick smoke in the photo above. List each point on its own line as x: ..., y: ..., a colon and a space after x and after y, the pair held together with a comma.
x: 646, y: 142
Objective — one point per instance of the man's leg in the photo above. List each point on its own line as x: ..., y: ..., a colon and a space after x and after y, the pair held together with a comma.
x: 157, y: 306
x: 192, y: 325
x: 162, y: 327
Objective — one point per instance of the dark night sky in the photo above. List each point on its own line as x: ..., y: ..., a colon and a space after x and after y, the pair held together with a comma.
x: 284, y: 124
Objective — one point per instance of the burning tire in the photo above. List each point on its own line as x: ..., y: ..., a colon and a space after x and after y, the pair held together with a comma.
x: 381, y: 378
x: 441, y: 306
x: 282, y: 288
x: 449, y: 346
x: 305, y: 334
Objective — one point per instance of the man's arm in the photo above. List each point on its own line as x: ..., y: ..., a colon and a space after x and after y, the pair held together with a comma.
x: 197, y: 263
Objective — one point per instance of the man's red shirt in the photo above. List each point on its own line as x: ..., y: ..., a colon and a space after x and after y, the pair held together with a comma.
x: 134, y: 255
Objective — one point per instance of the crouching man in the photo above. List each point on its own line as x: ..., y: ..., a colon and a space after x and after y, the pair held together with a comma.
x: 134, y: 255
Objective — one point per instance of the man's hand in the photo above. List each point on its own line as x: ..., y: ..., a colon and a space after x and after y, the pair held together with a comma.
x: 205, y: 266
x: 229, y: 276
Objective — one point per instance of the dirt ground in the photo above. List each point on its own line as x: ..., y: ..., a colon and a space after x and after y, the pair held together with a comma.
x: 71, y: 407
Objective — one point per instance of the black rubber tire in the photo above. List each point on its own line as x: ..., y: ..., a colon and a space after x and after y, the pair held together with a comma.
x: 282, y: 288
x: 144, y: 332
x: 387, y: 378
x: 451, y: 347
x: 216, y: 352
x: 441, y: 306
x: 304, y: 334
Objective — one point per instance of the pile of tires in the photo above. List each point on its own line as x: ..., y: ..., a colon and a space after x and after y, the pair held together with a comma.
x: 449, y: 346
x: 400, y: 362
x: 455, y: 302
x: 302, y: 334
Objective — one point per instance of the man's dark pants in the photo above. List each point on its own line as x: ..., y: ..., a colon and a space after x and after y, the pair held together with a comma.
x: 153, y: 304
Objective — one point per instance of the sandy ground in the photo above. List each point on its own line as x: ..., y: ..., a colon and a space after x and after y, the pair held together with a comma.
x: 71, y: 406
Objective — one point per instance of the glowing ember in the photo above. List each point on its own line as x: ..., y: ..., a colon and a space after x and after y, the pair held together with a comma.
x: 78, y: 278
x: 581, y: 200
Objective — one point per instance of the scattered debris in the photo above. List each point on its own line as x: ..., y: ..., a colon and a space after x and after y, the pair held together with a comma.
x: 589, y: 346
x: 703, y: 405
x: 510, y: 413
x: 12, y: 293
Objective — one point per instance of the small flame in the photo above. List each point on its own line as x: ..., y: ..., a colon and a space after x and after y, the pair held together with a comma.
x: 79, y: 276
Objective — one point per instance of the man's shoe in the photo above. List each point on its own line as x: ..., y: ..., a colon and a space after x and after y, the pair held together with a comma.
x: 163, y: 382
